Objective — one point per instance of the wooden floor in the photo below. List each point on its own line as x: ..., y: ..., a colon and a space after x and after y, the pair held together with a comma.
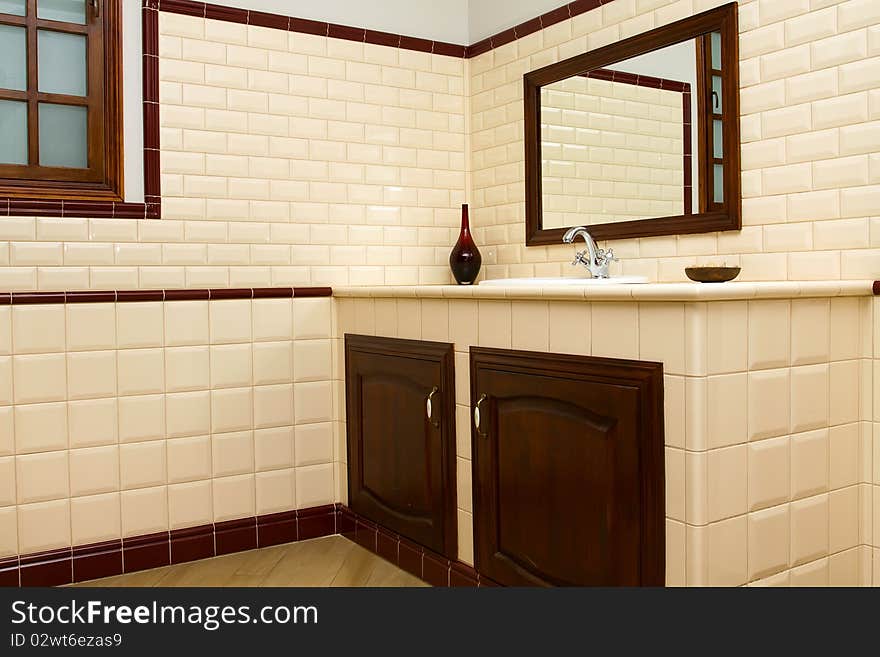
x: 329, y: 561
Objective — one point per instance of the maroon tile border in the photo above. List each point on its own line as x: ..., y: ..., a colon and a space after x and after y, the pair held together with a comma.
x: 151, y: 207
x: 51, y: 568
x: 876, y: 288
x: 235, y: 535
x: 124, y: 296
x: 192, y: 543
x: 97, y: 560
x: 306, y: 26
x: 419, y: 561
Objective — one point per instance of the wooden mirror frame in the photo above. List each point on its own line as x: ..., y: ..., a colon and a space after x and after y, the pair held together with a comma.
x: 729, y: 215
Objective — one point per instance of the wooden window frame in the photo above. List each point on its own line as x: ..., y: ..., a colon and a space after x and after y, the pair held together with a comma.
x: 103, y: 179
x: 726, y: 216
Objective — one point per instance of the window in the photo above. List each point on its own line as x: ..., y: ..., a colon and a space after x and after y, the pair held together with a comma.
x: 60, y: 99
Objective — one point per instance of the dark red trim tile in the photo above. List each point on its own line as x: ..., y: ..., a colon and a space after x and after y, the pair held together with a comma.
x: 365, y: 534
x: 192, y: 543
x: 382, y: 38
x: 317, y: 522
x: 5, y: 298
x: 187, y: 295
x: 229, y: 14
x: 449, y: 49
x: 27, y: 207
x: 346, y: 32
x: 273, y: 292
x: 503, y: 38
x: 30, y: 298
x: 555, y: 16
x: 435, y: 570
x: 346, y: 523
x: 91, y: 209
x: 479, y: 47
x: 231, y: 293
x: 235, y: 535
x: 150, y: 31
x: 9, y: 571
x: 386, y: 545
x: 151, y: 5
x: 416, y: 44
x: 152, y: 175
x: 276, y: 528
x: 51, y: 568
x: 462, y: 575
x: 582, y: 6
x: 312, y: 292
x: 183, y: 7
x: 154, y: 210
x: 527, y: 28
x: 125, y: 296
x: 626, y: 78
x: 133, y: 210
x: 97, y: 560
x: 262, y: 19
x: 150, y: 87
x: 307, y: 26
x: 145, y: 552
x: 409, y: 557
x: 87, y: 296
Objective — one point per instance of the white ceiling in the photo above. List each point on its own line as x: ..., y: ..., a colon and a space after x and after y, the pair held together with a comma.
x: 456, y: 21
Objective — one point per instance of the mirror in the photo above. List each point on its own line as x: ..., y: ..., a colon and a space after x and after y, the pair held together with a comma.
x: 638, y: 138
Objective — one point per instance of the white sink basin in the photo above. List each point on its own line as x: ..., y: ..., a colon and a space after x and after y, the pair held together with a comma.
x: 550, y: 282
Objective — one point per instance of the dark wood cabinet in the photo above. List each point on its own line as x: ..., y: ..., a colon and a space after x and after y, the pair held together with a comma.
x: 568, y: 469
x: 400, y: 405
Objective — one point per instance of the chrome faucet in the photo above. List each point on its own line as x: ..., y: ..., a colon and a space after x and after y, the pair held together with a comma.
x: 593, y: 258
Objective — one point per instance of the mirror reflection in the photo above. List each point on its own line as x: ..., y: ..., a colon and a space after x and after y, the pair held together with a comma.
x: 638, y: 139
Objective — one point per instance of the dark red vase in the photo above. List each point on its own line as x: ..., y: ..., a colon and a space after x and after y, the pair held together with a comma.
x: 465, y: 259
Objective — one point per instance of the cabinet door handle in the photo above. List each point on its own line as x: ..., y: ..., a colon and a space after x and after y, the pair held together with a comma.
x: 478, y: 415
x: 429, y: 406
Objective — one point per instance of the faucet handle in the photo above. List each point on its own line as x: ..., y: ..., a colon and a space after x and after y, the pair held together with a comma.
x: 580, y: 259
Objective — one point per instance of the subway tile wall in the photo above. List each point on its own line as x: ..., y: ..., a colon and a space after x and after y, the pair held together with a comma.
x: 120, y: 420
x: 810, y: 94
x: 769, y: 477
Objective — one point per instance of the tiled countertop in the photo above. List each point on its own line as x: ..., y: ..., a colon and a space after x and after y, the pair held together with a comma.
x: 642, y: 292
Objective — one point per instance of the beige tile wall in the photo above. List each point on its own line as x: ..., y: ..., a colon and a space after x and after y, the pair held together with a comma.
x: 810, y: 94
x: 768, y: 447
x: 125, y: 419
x: 611, y: 151
x: 287, y: 159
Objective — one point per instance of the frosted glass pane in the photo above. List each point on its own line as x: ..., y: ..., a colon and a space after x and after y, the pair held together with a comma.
x: 14, y: 7
x: 13, y: 132
x: 13, y: 58
x: 63, y: 136
x: 69, y: 11
x: 716, y: 50
x: 718, y: 180
x: 718, y: 139
x: 62, y: 63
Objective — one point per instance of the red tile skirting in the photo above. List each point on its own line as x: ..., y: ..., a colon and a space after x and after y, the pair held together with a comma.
x: 876, y: 288
x: 122, y: 296
x: 425, y: 564
x: 88, y: 562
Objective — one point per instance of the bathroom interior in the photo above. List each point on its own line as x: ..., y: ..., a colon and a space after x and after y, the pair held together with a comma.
x: 472, y: 293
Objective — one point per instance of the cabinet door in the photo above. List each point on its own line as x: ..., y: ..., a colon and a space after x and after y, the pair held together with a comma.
x: 568, y: 469
x: 401, y: 460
